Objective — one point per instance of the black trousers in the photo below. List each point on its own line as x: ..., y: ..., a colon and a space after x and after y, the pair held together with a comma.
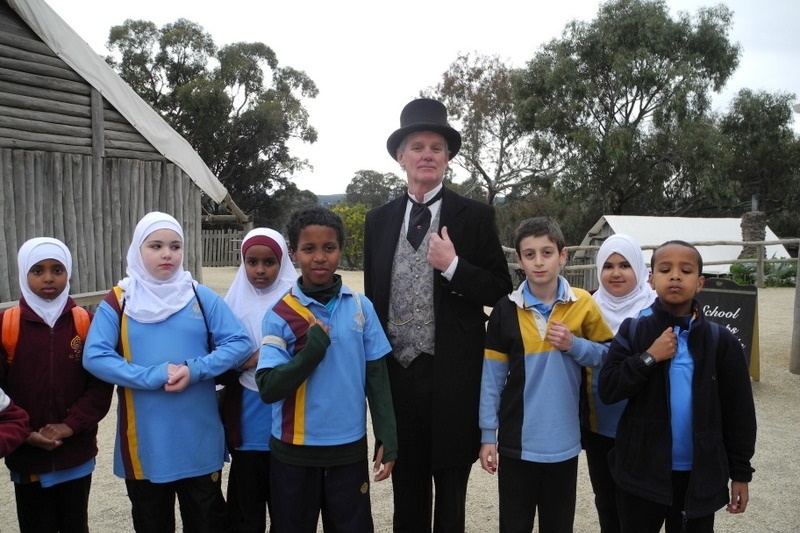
x: 202, y: 505
x: 248, y: 491
x: 605, y: 489
x: 526, y: 486
x: 301, y: 493
x: 638, y: 515
x: 413, y: 476
x: 62, y: 508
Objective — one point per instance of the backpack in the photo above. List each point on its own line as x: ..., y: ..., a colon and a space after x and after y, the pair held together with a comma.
x: 11, y: 326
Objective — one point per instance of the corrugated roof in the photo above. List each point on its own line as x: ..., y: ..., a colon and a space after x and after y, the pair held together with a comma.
x: 76, y: 53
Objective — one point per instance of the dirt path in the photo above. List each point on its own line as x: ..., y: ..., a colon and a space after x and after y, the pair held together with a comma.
x: 773, y: 491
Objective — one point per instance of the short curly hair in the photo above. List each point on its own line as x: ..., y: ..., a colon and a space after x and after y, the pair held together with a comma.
x: 313, y: 215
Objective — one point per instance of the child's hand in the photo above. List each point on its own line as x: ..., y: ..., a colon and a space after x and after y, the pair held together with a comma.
x: 664, y: 346
x: 313, y: 320
x: 40, y: 441
x: 252, y: 361
x: 559, y: 335
x: 381, y: 471
x: 740, y: 495
x: 56, y: 432
x: 488, y: 457
x: 177, y: 378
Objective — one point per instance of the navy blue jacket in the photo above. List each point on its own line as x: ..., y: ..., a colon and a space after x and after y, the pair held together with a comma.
x: 724, y: 421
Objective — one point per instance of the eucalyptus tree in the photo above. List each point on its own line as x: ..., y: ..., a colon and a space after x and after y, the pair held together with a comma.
x: 235, y: 104
x: 624, y: 93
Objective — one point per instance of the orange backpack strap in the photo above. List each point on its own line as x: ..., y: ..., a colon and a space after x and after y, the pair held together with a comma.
x: 80, y: 317
x: 10, y: 331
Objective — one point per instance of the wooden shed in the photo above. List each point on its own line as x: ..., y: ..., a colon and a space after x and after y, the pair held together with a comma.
x: 82, y: 157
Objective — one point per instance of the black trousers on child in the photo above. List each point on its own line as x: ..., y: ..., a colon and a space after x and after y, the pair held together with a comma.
x: 340, y: 493
x: 525, y: 486
x: 248, y: 491
x: 62, y: 508
x: 638, y: 515
x: 597, y: 447
x: 200, y: 499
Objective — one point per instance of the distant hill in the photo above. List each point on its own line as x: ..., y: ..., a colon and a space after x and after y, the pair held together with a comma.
x: 330, y: 200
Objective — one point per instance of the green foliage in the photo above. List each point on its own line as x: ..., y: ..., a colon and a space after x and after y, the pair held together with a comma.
x: 498, y: 156
x: 373, y: 189
x: 353, y: 217
x: 624, y: 100
x: 235, y: 105
x: 765, y: 155
x: 775, y: 274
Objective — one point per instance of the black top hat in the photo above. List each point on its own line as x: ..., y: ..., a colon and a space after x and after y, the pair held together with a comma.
x: 424, y: 114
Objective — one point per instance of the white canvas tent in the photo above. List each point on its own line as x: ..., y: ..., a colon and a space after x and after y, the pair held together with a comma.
x: 652, y: 231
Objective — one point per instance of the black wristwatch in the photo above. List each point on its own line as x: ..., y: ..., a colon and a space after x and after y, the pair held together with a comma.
x: 648, y: 359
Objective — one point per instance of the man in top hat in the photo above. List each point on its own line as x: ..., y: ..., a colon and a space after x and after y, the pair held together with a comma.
x: 432, y: 261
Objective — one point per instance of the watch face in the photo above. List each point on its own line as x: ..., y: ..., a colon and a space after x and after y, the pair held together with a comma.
x: 648, y: 359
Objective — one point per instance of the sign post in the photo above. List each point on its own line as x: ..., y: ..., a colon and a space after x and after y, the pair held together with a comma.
x: 735, y: 307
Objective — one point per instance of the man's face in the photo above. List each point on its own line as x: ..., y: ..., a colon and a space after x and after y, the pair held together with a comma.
x: 424, y: 158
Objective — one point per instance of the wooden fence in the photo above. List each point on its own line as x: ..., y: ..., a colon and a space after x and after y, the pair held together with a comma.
x: 221, y: 247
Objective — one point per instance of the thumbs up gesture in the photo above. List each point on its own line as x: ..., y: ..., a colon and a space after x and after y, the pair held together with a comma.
x: 441, y: 250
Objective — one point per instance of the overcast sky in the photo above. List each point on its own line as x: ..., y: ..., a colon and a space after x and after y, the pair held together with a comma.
x: 369, y: 57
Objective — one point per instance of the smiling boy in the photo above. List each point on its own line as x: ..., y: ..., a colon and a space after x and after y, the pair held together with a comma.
x: 323, y: 352
x: 537, y: 339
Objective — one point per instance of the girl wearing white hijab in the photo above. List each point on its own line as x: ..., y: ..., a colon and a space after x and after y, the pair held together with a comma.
x: 624, y: 292
x: 264, y: 276
x: 52, y: 470
x: 175, y: 336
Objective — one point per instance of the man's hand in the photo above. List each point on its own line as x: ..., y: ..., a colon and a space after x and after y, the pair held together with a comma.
x: 56, y: 432
x: 559, y: 335
x: 380, y: 470
x: 740, y: 495
x: 441, y: 250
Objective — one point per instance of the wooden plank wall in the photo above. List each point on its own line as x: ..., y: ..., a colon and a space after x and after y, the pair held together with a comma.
x: 221, y: 247
x: 53, y: 194
x: 73, y: 168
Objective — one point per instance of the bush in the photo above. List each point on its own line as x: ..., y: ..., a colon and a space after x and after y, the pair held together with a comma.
x: 775, y: 274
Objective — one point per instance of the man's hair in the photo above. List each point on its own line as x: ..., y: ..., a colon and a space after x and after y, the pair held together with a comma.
x: 313, y: 216
x: 679, y: 243
x: 538, y: 226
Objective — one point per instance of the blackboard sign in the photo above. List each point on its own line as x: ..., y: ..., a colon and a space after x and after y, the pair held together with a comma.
x: 735, y: 307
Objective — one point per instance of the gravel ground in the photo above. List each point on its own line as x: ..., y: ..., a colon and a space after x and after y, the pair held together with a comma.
x: 773, y: 492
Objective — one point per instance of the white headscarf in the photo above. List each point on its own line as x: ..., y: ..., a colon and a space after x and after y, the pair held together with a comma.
x: 617, y: 308
x: 32, y: 252
x: 250, y: 304
x: 147, y: 299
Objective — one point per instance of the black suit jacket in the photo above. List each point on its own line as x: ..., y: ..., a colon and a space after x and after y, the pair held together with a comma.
x: 481, y: 278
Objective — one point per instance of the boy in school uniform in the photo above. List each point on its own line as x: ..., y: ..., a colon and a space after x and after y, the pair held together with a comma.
x: 323, y: 352
x: 537, y: 339
x: 689, y: 425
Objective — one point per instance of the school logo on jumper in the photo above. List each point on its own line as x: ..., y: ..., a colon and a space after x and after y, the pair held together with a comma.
x: 364, y: 487
x: 196, y: 312
x: 77, y: 347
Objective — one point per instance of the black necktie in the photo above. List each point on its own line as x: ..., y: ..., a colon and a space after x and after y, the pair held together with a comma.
x: 419, y: 221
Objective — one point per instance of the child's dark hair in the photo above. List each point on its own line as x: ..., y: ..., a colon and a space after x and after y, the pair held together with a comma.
x: 678, y: 243
x: 313, y: 215
x: 538, y: 226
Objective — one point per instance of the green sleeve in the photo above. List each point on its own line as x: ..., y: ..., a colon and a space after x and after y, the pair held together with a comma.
x: 278, y: 383
x: 379, y: 396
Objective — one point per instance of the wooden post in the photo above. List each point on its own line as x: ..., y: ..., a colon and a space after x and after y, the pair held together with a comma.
x: 760, y: 267
x: 794, y: 355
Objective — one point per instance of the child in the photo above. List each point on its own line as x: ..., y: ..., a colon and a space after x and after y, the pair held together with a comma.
x: 52, y: 472
x: 536, y: 341
x: 13, y: 425
x: 624, y: 292
x: 323, y: 350
x: 264, y: 276
x: 174, y: 336
x: 689, y: 424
